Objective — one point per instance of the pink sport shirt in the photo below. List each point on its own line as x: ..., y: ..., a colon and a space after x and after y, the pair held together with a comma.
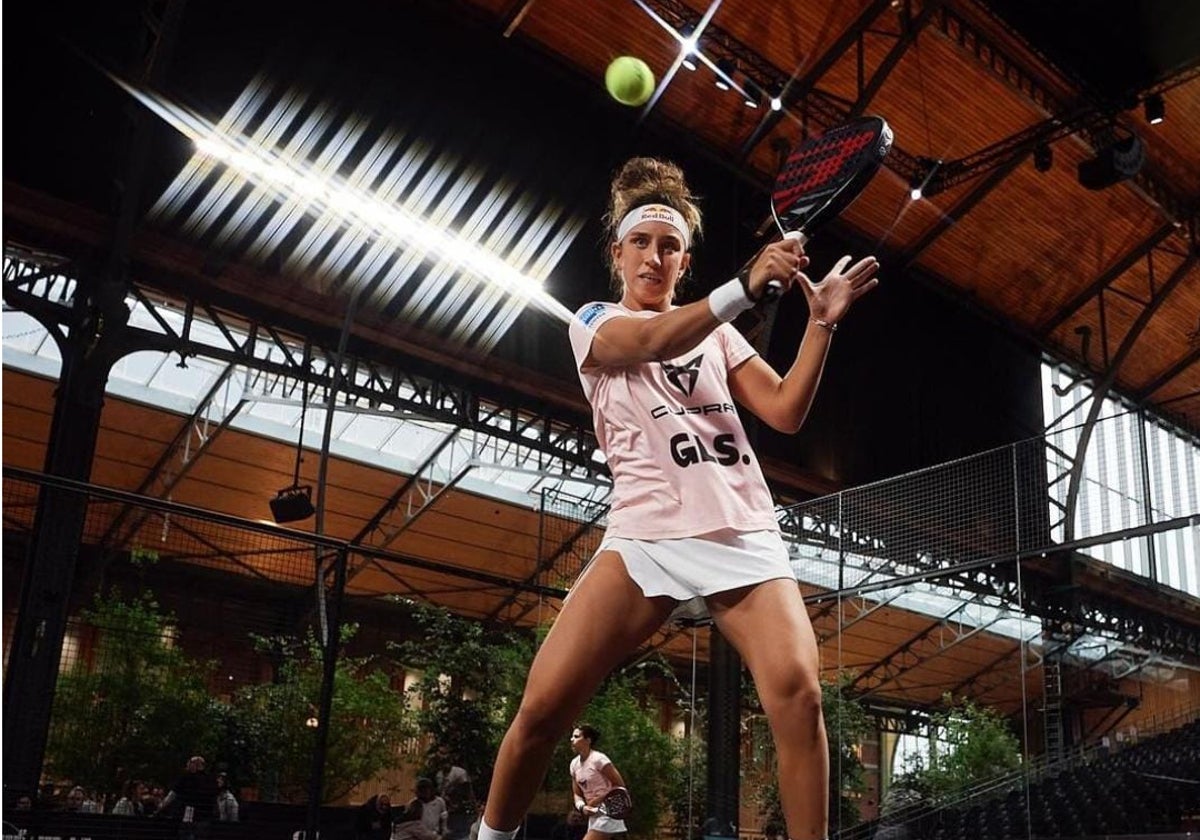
x: 680, y: 459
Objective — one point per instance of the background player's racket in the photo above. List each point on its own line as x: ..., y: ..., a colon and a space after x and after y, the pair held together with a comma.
x: 823, y: 175
x: 617, y: 804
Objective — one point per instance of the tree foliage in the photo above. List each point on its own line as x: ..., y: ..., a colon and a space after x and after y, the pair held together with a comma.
x: 686, y: 789
x: 967, y: 745
x: 368, y: 721
x: 139, y: 709
x: 469, y: 688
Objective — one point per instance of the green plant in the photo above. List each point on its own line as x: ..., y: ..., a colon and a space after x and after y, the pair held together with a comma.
x: 140, y: 709
x: 469, y: 688
x: 967, y: 745
x: 686, y: 789
x: 275, y: 730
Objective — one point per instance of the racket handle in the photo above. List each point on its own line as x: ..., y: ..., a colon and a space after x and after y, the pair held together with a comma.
x: 774, y: 288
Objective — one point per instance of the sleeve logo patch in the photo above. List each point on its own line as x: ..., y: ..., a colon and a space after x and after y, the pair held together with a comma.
x: 589, y: 315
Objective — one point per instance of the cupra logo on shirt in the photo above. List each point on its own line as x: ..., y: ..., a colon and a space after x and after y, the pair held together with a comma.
x: 684, y: 376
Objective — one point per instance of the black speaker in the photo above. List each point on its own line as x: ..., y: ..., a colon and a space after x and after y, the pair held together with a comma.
x: 292, y: 504
x: 1114, y: 163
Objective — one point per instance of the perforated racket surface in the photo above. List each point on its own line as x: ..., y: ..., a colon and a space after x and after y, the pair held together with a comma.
x: 617, y: 804
x: 824, y: 174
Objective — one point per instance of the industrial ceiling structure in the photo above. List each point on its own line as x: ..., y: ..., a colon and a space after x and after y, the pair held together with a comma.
x: 283, y: 246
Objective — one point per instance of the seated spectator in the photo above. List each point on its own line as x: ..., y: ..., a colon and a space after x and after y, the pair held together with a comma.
x: 130, y: 803
x: 152, y: 800
x: 227, y: 804
x: 454, y: 785
x: 24, y: 802
x: 373, y: 820
x: 78, y: 801
x: 433, y: 807
x: 407, y: 824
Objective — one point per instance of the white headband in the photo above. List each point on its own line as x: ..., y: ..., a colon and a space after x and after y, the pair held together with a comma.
x: 655, y: 213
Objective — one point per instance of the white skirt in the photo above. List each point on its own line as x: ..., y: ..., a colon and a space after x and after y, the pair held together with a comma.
x: 691, y: 568
x: 606, y: 825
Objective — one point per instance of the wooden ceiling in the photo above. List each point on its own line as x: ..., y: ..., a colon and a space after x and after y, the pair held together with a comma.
x: 1106, y: 279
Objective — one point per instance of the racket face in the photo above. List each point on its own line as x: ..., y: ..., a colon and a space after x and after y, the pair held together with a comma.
x: 824, y: 174
x: 618, y: 803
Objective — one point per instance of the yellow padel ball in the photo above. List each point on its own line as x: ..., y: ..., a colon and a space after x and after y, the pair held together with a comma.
x: 629, y: 80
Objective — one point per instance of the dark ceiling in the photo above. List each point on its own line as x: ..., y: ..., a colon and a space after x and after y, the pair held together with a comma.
x: 1113, y: 47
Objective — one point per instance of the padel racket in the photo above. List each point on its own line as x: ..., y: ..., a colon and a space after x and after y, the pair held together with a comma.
x: 823, y: 175
x: 616, y: 805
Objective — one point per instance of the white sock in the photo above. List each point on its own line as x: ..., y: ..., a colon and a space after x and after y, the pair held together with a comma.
x: 486, y: 832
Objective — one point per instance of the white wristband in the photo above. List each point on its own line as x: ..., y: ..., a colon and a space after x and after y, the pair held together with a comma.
x: 579, y: 803
x: 729, y: 300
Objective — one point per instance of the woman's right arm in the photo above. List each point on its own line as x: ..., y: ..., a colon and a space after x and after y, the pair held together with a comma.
x: 627, y: 341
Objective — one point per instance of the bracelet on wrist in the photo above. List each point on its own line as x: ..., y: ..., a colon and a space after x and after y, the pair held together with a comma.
x: 831, y: 326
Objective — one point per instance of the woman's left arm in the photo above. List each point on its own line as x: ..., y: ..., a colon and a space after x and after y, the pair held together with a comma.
x: 613, y: 775
x: 783, y: 402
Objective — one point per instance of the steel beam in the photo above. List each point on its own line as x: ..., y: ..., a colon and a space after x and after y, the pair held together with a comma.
x: 1106, y: 382
x: 961, y: 207
x: 179, y: 448
x: 797, y: 89
x: 278, y: 361
x: 910, y: 29
x: 914, y: 652
x: 1169, y: 374
x: 1125, y: 262
x: 548, y: 563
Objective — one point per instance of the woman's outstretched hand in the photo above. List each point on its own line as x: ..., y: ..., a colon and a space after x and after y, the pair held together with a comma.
x: 830, y: 300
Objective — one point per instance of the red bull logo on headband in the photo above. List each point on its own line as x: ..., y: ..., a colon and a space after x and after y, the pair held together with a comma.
x: 658, y: 213
x: 655, y: 213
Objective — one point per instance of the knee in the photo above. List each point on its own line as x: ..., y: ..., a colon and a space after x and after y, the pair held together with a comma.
x: 797, y: 696
x: 540, y: 720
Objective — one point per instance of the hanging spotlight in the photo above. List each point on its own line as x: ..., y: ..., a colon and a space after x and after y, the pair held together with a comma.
x: 776, y: 91
x: 1043, y: 157
x: 920, y: 182
x: 1156, y: 109
x: 687, y: 48
x: 292, y: 504
x: 1112, y: 164
x: 725, y: 70
x: 751, y: 93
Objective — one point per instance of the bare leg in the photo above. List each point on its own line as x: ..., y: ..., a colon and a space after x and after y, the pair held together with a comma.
x: 769, y: 627
x: 606, y: 617
x: 598, y: 835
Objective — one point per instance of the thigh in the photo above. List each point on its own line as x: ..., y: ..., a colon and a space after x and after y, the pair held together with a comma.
x: 594, y: 834
x: 768, y: 625
x: 603, y: 620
